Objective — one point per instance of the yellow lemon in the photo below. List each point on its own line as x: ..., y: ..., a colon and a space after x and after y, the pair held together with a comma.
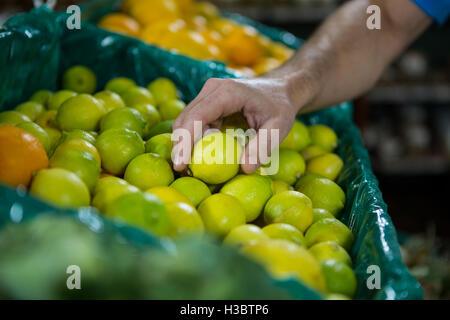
x: 221, y: 213
x: 312, y: 151
x: 285, y: 231
x: 339, y: 277
x: 215, y: 158
x: 297, y: 139
x: 169, y: 195
x: 283, y: 259
x: 252, y: 191
x: 328, y: 229
x: 330, y: 250
x: 279, y: 186
x: 195, y: 190
x: 328, y: 165
x: 184, y: 220
x: 289, y: 207
x: 244, y: 234
x: 323, y: 136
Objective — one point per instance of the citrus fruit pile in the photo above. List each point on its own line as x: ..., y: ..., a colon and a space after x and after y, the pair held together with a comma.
x: 196, y: 29
x: 112, y: 150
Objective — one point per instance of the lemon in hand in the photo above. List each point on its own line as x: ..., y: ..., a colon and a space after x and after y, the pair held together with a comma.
x: 329, y: 230
x: 283, y: 259
x: 252, y: 191
x: 215, y: 158
x: 244, y: 234
x: 195, y: 190
x: 221, y: 213
x: 289, y: 207
x: 328, y: 165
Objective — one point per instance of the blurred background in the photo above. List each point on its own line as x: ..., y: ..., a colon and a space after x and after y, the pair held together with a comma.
x: 405, y: 123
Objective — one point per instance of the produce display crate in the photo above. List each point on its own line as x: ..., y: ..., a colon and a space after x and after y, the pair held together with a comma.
x: 37, y: 47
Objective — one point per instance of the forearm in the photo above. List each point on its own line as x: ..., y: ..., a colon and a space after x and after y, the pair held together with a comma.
x: 343, y: 59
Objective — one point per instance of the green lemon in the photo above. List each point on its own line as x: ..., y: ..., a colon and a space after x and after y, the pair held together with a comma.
x: 169, y: 195
x: 279, y: 186
x: 80, y: 112
x: 252, y: 191
x: 150, y: 114
x: 80, y: 144
x: 324, y: 194
x: 123, y: 118
x: 160, y: 144
x: 104, y: 182
x: 330, y: 250
x: 290, y: 166
x: 195, y: 190
x: 285, y: 231
x: 80, y: 162
x: 137, y: 95
x: 215, y: 158
x: 289, y: 207
x: 297, y: 139
x: 110, y: 100
x: 77, y: 134
x: 117, y: 147
x: 12, y: 118
x: 323, y: 136
x: 221, y: 213
x: 244, y: 234
x: 142, y: 210
x: 184, y: 219
x: 108, y: 193
x: 119, y: 85
x: 321, y: 214
x: 60, y: 187
x: 339, y: 277
x: 305, y: 179
x: 162, y: 127
x: 54, y: 136
x: 42, y: 97
x: 31, y: 109
x: 38, y: 132
x: 312, y: 151
x: 47, y: 119
x: 79, y: 79
x: 284, y: 259
x: 328, y: 165
x: 171, y: 109
x: 59, y: 97
x: 329, y: 229
x: 163, y: 90
x: 149, y: 170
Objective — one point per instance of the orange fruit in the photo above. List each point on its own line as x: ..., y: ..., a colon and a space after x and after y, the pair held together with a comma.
x: 120, y: 23
x: 242, y: 46
x: 147, y: 12
x: 21, y: 154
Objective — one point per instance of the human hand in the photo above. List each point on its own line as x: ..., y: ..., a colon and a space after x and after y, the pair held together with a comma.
x: 264, y: 102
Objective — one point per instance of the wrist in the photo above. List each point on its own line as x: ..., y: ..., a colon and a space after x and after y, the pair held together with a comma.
x: 302, y: 89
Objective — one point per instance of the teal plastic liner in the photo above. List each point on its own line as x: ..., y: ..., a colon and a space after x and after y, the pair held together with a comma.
x: 35, y: 49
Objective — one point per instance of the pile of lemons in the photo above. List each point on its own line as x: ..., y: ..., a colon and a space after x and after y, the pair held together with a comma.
x: 196, y: 29
x: 112, y: 150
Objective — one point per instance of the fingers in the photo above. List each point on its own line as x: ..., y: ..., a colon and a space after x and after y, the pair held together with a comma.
x: 259, y: 149
x: 218, y: 98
